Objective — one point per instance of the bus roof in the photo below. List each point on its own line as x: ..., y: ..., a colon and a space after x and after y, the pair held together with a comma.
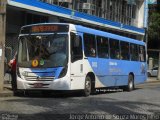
x: 107, y: 34
x: 81, y: 28
x: 46, y: 24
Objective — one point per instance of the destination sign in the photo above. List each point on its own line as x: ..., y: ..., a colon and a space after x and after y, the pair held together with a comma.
x: 49, y: 28
x: 43, y: 28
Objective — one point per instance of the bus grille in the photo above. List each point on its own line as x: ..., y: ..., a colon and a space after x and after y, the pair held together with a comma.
x: 38, y: 78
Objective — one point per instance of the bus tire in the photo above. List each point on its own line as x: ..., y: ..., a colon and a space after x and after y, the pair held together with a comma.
x: 87, y: 87
x: 18, y: 93
x: 130, y: 85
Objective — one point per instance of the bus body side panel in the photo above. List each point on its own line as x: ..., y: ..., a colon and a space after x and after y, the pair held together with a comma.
x: 100, y: 68
x: 117, y: 71
x: 136, y: 68
x: 92, y: 65
x: 141, y: 76
x: 103, y: 73
x: 111, y: 72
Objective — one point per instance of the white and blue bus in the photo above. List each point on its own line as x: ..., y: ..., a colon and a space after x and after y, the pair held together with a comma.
x: 60, y: 56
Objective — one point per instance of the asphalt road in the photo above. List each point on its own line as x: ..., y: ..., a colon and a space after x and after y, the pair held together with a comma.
x: 142, y: 103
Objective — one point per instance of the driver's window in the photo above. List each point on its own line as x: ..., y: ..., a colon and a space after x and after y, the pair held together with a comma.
x: 76, y: 47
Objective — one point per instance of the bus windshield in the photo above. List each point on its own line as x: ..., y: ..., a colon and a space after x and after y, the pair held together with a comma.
x: 47, y: 50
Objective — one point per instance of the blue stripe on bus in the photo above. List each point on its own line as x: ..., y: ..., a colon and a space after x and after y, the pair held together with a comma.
x: 47, y: 71
x: 77, y: 14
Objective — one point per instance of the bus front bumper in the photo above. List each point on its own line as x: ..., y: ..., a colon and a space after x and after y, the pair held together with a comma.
x: 56, y: 84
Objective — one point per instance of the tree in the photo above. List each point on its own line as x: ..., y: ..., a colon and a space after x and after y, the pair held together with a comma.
x: 154, y: 31
x: 154, y: 26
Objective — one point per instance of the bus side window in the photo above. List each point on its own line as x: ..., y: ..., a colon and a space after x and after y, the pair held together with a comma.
x: 89, y: 45
x: 114, y: 49
x: 124, y: 50
x: 76, y: 47
x: 134, y: 52
x: 102, y: 45
x: 142, y: 56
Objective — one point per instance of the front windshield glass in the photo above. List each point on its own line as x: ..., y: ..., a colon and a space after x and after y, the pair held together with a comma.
x: 47, y: 50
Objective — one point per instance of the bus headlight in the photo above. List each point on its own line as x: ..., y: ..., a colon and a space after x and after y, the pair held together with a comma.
x: 25, y: 73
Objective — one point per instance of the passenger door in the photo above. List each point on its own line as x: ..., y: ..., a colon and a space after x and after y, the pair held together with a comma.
x: 76, y: 65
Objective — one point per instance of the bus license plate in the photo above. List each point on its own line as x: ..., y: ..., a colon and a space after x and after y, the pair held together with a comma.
x: 38, y: 85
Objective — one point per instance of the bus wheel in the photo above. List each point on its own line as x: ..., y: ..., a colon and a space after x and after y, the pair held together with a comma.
x: 18, y: 93
x: 87, y: 89
x: 130, y: 85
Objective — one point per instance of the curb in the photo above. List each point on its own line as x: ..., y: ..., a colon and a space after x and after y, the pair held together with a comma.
x: 155, y: 81
x: 152, y: 80
x: 6, y: 93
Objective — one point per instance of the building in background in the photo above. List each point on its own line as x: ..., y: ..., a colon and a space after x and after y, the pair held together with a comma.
x: 123, y: 17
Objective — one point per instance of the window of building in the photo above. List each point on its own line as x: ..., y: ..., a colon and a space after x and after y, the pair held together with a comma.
x: 124, y: 50
x: 32, y: 18
x: 64, y: 4
x: 134, y: 52
x: 134, y: 11
x: 89, y: 45
x: 142, y: 53
x: 114, y: 49
x: 102, y: 46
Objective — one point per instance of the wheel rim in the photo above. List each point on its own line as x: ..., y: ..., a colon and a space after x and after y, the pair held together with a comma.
x: 130, y: 83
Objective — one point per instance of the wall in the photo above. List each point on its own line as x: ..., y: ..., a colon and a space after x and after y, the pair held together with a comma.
x: 140, y: 14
